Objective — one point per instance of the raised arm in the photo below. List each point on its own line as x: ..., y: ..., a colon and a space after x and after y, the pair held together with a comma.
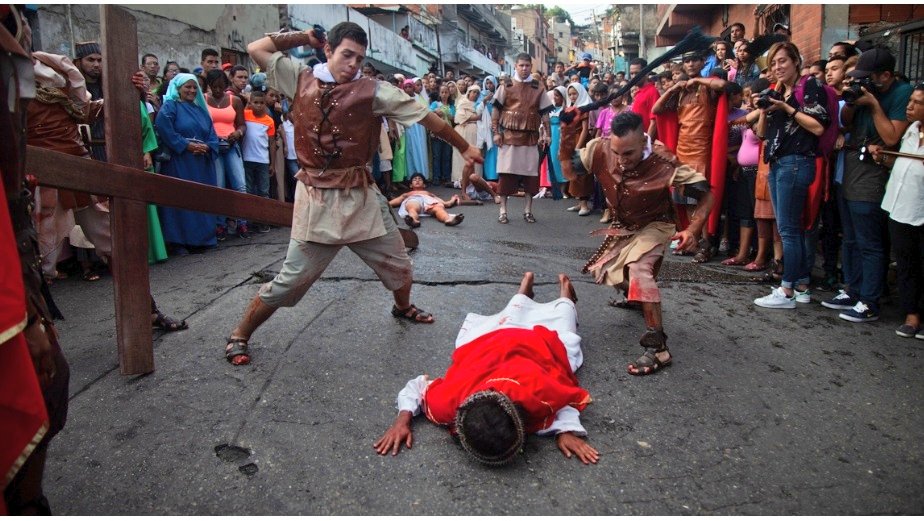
x: 261, y: 50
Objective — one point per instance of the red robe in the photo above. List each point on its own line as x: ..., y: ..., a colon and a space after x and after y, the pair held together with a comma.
x: 668, y: 131
x: 23, y: 418
x: 529, y: 366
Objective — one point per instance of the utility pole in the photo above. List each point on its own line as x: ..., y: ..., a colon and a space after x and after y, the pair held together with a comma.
x: 641, y: 31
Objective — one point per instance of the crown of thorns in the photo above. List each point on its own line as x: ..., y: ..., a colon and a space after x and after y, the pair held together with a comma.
x: 509, y: 408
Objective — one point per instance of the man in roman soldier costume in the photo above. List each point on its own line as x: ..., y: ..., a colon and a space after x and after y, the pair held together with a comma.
x: 511, y: 374
x: 33, y: 372
x: 636, y: 175
x: 337, y: 117
x: 521, y: 105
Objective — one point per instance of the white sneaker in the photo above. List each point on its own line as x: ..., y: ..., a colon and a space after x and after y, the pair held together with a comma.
x: 585, y: 212
x: 540, y: 194
x: 573, y: 208
x: 777, y: 299
x: 803, y: 297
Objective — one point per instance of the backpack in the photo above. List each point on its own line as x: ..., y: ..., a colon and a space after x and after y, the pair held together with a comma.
x: 829, y: 136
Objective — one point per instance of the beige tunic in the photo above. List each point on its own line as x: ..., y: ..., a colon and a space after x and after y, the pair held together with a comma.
x: 519, y: 160
x: 335, y: 216
x: 631, y: 247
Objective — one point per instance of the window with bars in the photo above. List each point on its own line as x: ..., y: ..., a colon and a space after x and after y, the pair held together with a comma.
x: 912, y: 54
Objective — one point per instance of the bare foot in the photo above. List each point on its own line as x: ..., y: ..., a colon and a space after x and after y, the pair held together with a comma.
x: 526, y: 285
x: 567, y: 289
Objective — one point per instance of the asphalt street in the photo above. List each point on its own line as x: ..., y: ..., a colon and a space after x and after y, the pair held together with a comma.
x: 762, y: 412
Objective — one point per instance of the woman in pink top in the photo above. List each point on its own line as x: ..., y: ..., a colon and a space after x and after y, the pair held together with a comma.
x: 227, y: 114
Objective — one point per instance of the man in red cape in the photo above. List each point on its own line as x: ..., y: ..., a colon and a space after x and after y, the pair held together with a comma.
x: 33, y: 373
x: 692, y: 121
x: 512, y: 374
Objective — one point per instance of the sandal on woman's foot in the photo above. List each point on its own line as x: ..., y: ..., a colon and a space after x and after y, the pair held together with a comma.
x: 167, y: 324
x: 236, y: 351
x: 456, y: 219
x: 754, y: 266
x: 528, y: 217
x: 733, y: 261
x: 649, y: 363
x: 413, y: 314
x: 503, y: 219
x: 411, y: 222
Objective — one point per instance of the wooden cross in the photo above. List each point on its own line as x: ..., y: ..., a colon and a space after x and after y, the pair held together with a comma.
x: 130, y: 188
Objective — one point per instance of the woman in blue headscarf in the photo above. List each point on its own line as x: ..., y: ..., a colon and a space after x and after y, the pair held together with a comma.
x: 557, y: 179
x: 186, y: 129
x: 488, y: 87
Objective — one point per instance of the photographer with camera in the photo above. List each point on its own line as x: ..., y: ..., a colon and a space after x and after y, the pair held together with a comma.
x: 791, y: 122
x: 875, y: 113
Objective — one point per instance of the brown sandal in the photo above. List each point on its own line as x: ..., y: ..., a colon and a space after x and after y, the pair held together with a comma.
x: 236, y: 351
x: 412, y: 314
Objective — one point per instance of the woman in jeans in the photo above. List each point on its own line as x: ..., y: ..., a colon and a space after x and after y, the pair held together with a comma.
x: 790, y: 128
x: 227, y: 114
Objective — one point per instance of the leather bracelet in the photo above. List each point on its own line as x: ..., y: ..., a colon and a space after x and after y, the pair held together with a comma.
x: 289, y: 40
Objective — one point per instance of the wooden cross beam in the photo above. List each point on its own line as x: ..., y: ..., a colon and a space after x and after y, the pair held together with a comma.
x: 131, y: 187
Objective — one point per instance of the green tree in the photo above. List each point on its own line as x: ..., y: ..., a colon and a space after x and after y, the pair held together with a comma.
x: 560, y: 15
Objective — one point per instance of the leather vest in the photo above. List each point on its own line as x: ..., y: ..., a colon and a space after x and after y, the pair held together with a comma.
x: 520, y: 116
x: 336, y: 134
x: 640, y: 196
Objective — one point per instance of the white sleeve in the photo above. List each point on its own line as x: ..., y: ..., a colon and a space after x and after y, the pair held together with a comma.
x: 568, y: 419
x: 411, y: 397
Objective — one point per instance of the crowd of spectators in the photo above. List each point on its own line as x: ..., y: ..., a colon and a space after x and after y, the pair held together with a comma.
x: 804, y: 171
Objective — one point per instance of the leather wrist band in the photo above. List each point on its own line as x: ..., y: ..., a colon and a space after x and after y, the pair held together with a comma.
x: 447, y: 134
x: 289, y: 40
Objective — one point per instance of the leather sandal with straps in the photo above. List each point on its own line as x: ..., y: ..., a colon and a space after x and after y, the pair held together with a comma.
x: 654, y: 341
x: 528, y: 217
x: 503, y: 218
x: 413, y: 314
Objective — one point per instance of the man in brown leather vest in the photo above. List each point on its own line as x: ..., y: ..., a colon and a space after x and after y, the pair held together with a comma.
x: 636, y: 176
x: 521, y: 105
x: 337, y: 117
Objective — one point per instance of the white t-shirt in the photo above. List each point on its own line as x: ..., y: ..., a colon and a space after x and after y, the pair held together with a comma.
x: 289, y: 130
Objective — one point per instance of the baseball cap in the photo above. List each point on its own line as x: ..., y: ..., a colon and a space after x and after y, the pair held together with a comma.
x: 226, y: 66
x: 876, y: 59
x: 586, y: 56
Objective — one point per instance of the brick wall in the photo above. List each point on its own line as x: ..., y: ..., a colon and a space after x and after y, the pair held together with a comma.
x: 807, y: 24
x: 743, y: 13
x: 866, y: 14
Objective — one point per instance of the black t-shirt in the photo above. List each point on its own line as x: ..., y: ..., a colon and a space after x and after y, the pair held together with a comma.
x: 787, y: 137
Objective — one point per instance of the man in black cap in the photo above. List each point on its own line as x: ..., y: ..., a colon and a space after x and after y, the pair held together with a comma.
x: 89, y: 59
x: 876, y: 117
x: 782, y: 29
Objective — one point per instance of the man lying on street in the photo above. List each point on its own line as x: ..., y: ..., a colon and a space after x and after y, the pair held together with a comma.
x: 511, y: 374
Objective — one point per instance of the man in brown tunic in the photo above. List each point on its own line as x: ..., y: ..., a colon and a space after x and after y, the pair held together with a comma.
x: 520, y: 106
x: 636, y: 175
x: 337, y: 117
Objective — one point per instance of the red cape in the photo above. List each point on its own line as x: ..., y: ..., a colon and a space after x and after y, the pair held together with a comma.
x: 529, y: 366
x: 668, y: 132
x: 817, y: 192
x: 23, y: 418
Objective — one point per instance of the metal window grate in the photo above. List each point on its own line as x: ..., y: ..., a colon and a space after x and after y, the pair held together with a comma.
x: 913, y: 54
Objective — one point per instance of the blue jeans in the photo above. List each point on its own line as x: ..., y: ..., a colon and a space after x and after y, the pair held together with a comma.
x: 863, y: 258
x: 257, y: 175
x: 230, y: 171
x: 790, y: 178
x: 442, y: 160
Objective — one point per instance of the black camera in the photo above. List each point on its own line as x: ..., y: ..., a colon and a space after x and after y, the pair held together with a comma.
x: 763, y: 100
x: 852, y: 92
